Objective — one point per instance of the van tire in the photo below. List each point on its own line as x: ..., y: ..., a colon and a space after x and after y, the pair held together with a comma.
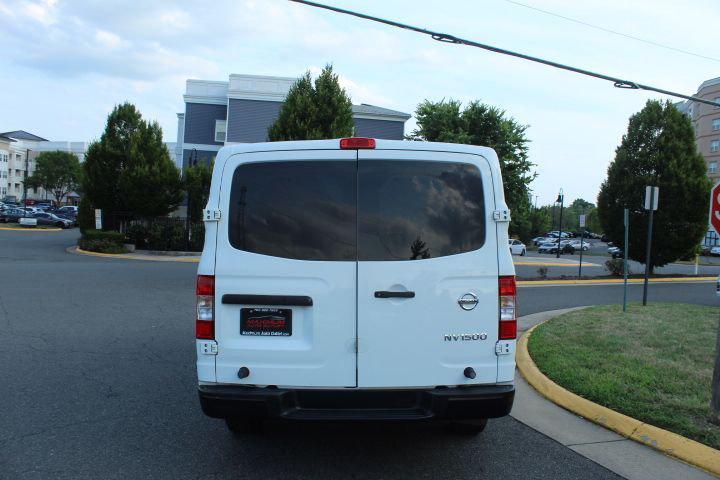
x: 244, y: 426
x: 468, y: 427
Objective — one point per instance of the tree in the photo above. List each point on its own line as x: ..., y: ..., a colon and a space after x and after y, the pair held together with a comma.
x: 658, y: 149
x: 129, y: 169
x: 150, y: 184
x: 57, y: 172
x: 571, y: 216
x: 197, y: 186
x: 314, y: 112
x: 481, y: 124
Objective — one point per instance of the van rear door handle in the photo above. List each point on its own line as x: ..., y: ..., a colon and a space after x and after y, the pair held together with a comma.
x: 387, y: 294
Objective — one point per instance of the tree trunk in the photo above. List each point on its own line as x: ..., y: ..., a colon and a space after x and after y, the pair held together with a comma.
x: 715, y: 400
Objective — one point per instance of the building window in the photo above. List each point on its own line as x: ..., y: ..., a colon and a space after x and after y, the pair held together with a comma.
x: 716, y: 124
x: 715, y: 146
x: 712, y: 167
x: 220, y: 128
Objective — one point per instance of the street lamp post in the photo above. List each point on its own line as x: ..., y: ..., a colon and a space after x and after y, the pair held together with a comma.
x: 560, y: 200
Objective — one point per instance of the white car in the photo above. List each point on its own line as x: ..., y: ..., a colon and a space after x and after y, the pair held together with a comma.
x: 356, y: 279
x: 715, y: 251
x: 577, y: 245
x: 517, y: 247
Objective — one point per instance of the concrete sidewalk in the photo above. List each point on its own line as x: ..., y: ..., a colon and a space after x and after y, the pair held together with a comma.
x: 627, y: 458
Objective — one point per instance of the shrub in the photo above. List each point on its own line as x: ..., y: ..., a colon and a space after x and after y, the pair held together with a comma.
x: 542, y: 272
x: 138, y: 235
x: 615, y: 266
x: 102, y: 241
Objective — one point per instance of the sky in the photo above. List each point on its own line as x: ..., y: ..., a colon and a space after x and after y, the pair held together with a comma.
x: 65, y: 64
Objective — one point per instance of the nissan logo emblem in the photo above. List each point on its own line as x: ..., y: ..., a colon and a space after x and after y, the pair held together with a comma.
x: 468, y: 301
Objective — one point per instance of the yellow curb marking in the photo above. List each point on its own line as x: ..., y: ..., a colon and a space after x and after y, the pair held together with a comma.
x: 548, y: 264
x: 129, y: 256
x: 538, y: 283
x: 30, y: 229
x: 672, y: 444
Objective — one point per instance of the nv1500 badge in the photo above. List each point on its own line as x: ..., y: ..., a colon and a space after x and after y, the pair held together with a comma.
x: 461, y: 337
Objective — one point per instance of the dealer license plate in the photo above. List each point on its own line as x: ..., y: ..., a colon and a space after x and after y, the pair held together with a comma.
x: 266, y: 322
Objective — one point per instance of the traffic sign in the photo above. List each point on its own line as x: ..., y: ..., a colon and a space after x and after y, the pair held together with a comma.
x: 651, y: 198
x: 715, y: 208
x: 582, y: 220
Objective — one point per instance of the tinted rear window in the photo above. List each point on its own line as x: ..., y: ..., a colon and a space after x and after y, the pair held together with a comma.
x: 306, y: 210
x: 413, y: 210
x: 300, y: 210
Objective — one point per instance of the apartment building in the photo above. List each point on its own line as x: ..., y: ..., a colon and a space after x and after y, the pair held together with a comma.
x: 18, y: 157
x: 706, y: 121
x: 241, y: 109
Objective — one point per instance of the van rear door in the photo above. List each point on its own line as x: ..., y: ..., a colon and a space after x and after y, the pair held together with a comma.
x: 427, y: 269
x: 285, y: 272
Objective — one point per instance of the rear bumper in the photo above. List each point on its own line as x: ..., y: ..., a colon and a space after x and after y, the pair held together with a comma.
x: 457, y: 403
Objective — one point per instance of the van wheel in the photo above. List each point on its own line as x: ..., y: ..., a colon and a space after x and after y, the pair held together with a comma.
x: 468, y: 427
x: 244, y: 426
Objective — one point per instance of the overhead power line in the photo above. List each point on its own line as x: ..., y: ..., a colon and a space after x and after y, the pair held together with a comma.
x: 447, y: 38
x: 614, y: 32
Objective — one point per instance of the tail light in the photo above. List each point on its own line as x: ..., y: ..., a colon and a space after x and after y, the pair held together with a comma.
x: 507, y: 292
x: 205, y: 316
x: 357, y: 143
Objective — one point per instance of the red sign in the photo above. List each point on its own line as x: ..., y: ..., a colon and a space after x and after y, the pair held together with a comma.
x: 715, y: 208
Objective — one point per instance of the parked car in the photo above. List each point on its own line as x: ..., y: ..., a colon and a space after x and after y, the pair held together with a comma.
x: 351, y: 267
x: 615, y: 252
x: 50, y: 219
x: 538, y: 240
x: 517, y: 247
x: 11, y: 215
x: 69, y: 208
x: 715, y: 251
x: 577, y: 245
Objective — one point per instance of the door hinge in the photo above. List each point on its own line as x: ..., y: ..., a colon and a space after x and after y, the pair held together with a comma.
x: 504, y: 348
x: 211, y: 215
x: 209, y: 347
x: 501, y: 215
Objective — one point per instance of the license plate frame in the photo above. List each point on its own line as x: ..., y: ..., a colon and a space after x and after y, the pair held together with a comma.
x: 266, y: 322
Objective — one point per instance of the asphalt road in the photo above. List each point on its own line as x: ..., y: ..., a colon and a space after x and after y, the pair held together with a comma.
x: 98, y: 381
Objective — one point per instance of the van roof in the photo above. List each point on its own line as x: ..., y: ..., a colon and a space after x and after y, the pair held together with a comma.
x: 334, y: 144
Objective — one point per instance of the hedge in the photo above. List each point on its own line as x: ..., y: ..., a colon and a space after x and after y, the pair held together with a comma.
x: 102, y: 241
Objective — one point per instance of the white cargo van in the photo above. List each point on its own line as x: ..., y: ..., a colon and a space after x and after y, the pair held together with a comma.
x: 356, y: 279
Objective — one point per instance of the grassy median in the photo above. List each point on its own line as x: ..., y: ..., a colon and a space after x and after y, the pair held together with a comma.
x: 652, y: 363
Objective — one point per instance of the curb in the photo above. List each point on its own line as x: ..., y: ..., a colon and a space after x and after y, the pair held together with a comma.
x: 25, y: 229
x: 672, y: 444
x: 130, y: 256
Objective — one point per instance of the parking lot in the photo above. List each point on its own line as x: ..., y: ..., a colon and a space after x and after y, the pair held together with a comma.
x: 98, y: 368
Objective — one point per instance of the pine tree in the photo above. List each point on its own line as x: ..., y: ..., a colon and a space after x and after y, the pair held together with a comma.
x: 314, y: 112
x: 129, y: 169
x: 658, y: 149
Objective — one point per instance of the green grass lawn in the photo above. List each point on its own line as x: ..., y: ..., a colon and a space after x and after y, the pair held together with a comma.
x: 652, y: 363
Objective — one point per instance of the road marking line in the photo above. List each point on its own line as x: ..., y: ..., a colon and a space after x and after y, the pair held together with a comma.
x: 554, y: 264
x: 24, y: 229
x: 634, y: 281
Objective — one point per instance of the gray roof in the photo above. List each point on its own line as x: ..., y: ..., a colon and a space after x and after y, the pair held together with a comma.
x: 709, y: 83
x: 6, y: 139
x: 365, y: 109
x: 23, y: 135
